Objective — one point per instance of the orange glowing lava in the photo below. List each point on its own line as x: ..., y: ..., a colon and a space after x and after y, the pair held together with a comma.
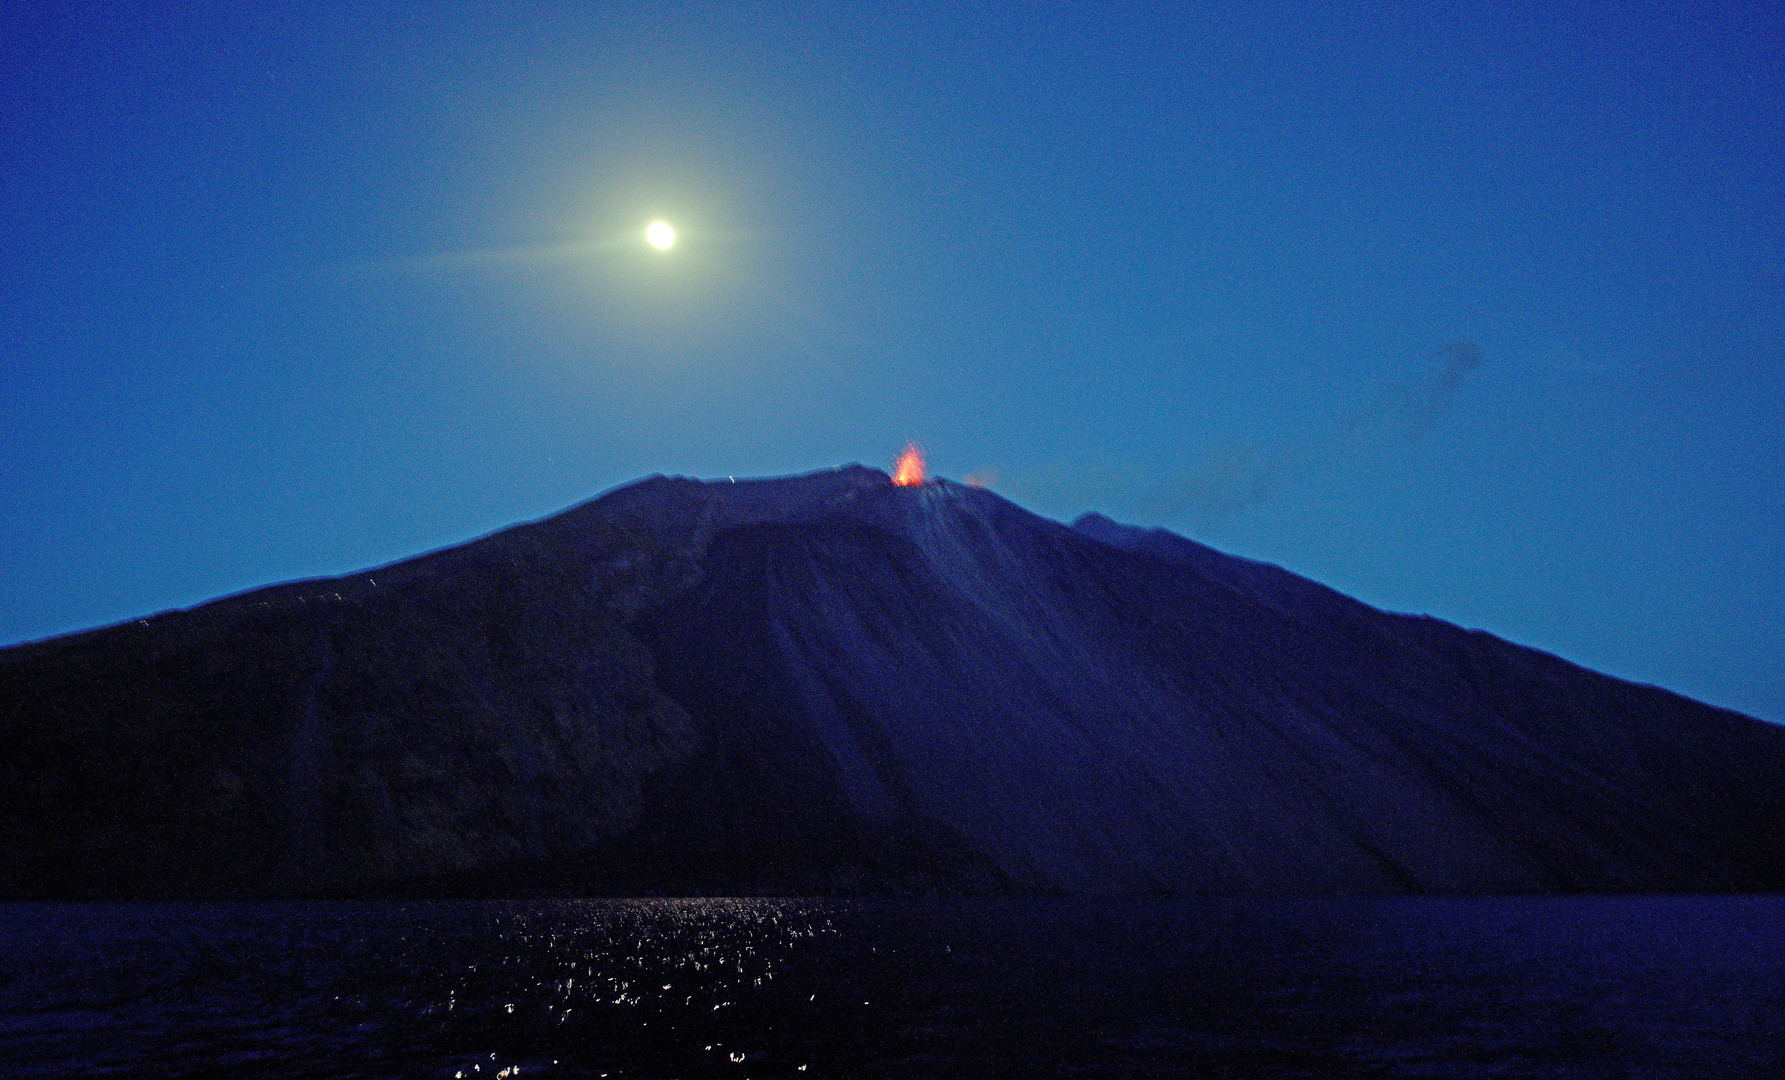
x: 910, y: 470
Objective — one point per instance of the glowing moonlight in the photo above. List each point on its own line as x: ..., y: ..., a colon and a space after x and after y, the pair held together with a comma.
x: 660, y: 235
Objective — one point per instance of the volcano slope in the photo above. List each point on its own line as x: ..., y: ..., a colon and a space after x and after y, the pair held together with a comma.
x: 832, y: 684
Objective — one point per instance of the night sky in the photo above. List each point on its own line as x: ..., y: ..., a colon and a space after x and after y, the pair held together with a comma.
x: 1476, y: 310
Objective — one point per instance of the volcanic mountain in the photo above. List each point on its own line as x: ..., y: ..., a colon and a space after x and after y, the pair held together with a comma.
x: 835, y: 684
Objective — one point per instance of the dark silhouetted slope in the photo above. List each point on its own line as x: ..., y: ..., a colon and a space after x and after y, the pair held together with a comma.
x: 830, y: 683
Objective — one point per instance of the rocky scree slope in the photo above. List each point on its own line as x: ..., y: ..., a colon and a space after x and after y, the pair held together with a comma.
x: 832, y: 684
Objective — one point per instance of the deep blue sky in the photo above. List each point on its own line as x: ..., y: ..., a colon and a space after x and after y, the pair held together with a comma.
x: 297, y: 294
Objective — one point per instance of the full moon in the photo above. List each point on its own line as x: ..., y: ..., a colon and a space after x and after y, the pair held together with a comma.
x: 660, y: 235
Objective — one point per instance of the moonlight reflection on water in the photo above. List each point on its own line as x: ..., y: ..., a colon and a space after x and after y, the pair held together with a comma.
x: 1568, y: 986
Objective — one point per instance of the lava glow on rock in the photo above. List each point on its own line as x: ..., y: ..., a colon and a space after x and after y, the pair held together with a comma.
x: 910, y: 469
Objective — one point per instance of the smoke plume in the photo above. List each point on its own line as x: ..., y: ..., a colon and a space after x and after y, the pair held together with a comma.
x: 1241, y: 477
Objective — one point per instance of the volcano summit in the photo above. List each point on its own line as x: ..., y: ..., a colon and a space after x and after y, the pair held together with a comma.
x: 832, y: 683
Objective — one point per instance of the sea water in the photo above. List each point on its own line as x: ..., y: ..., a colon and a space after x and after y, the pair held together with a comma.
x: 1013, y: 987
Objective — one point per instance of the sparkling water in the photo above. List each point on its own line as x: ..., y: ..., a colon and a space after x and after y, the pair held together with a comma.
x: 1019, y: 987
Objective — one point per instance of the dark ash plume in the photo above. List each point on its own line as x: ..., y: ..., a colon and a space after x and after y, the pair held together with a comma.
x: 1242, y: 477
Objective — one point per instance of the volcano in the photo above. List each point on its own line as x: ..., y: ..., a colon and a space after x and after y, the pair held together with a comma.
x: 835, y: 684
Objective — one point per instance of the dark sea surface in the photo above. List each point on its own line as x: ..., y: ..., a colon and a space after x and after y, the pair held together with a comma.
x: 1380, y: 987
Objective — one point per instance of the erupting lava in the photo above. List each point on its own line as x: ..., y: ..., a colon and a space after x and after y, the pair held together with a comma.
x: 910, y: 470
